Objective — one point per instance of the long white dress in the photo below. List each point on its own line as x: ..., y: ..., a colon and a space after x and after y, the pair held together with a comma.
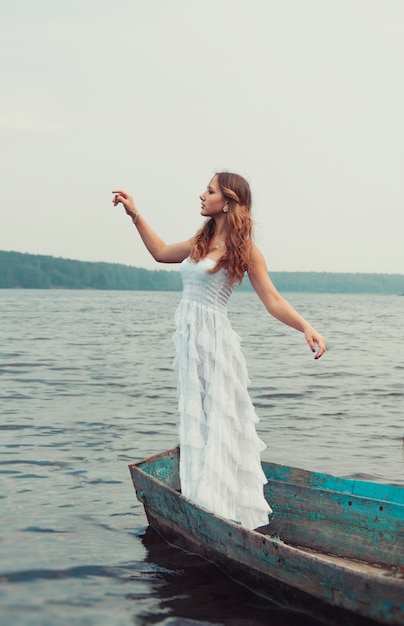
x: 220, y: 466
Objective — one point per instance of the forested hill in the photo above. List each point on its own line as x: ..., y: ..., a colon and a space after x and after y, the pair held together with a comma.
x: 31, y: 271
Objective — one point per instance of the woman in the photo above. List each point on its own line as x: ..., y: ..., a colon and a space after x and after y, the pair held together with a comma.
x: 220, y: 466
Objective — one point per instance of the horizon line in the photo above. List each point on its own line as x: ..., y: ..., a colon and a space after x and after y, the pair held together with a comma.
x: 163, y: 267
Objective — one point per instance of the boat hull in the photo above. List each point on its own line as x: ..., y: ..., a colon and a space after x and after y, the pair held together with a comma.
x: 265, y: 558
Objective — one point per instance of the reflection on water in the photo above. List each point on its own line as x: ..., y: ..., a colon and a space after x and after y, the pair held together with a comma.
x: 189, y: 590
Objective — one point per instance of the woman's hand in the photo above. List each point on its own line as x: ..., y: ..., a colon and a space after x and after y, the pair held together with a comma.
x: 313, y: 338
x: 126, y: 200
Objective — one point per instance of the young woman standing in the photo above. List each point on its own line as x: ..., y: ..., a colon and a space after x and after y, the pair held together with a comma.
x: 220, y: 466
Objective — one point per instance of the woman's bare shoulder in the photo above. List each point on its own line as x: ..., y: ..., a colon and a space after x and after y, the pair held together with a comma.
x: 257, y: 259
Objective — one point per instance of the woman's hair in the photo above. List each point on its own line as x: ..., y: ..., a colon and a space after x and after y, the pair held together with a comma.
x: 237, y: 193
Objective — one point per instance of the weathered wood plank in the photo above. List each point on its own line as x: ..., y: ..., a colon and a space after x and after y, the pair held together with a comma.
x: 164, y: 467
x: 338, y: 523
x: 305, y: 478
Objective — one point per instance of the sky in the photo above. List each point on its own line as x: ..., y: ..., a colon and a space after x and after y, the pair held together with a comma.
x: 304, y: 98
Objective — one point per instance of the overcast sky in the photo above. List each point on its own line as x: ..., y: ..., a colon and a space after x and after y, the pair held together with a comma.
x: 305, y: 98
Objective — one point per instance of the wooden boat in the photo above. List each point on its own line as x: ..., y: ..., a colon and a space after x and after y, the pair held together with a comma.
x: 335, y: 540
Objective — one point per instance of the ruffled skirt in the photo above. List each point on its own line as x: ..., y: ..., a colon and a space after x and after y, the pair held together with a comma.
x: 220, y: 467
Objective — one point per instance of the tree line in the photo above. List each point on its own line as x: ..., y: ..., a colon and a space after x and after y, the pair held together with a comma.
x: 33, y: 271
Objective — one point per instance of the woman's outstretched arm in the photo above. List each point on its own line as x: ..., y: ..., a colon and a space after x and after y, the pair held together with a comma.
x: 160, y: 251
x: 277, y: 306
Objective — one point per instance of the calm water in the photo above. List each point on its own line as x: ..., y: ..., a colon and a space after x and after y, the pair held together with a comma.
x: 86, y: 387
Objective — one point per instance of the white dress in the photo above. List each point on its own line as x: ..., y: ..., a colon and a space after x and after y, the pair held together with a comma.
x: 220, y: 466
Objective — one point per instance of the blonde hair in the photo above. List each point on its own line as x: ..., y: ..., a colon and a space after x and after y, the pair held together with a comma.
x: 236, y: 259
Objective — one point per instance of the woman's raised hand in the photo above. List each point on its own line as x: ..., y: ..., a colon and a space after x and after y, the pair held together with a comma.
x: 126, y: 200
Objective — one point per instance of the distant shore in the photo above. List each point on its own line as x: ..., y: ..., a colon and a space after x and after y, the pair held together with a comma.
x: 33, y: 271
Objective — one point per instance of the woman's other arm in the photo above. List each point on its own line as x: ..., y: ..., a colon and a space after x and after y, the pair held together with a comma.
x: 277, y: 306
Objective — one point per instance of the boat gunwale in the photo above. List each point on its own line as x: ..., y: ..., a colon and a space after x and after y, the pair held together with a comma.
x: 324, y: 479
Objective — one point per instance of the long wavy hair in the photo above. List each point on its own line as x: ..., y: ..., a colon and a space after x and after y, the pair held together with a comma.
x: 236, y: 259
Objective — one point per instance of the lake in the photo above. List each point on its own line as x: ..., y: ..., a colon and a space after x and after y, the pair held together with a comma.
x: 87, y: 387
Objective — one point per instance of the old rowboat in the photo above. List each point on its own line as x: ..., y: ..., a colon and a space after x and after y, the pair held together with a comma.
x: 335, y: 540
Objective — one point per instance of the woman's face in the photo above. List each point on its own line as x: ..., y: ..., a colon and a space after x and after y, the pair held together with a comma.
x: 212, y: 200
